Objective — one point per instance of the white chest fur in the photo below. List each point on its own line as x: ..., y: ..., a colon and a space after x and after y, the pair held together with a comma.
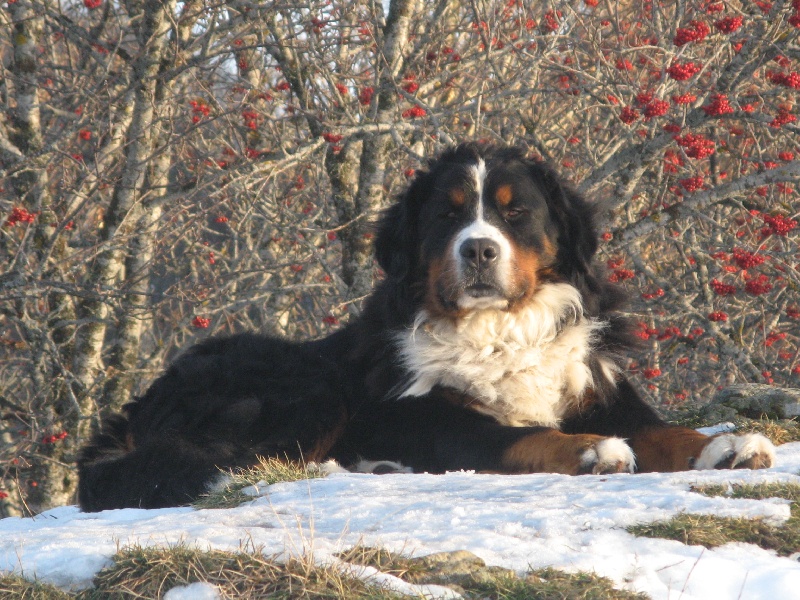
x: 522, y: 368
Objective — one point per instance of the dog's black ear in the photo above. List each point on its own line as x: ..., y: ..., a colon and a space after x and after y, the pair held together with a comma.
x: 574, y: 216
x: 396, y: 242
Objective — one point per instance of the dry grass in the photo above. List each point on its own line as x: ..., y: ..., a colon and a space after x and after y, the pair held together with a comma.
x: 778, y: 431
x: 268, y: 471
x: 140, y: 572
x: 493, y: 583
x: 712, y: 531
x: 14, y: 586
x: 150, y: 572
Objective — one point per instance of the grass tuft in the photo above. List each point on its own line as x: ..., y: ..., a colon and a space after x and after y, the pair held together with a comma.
x: 778, y: 431
x: 14, y: 586
x: 150, y: 572
x: 475, y: 581
x: 267, y: 471
x: 712, y: 531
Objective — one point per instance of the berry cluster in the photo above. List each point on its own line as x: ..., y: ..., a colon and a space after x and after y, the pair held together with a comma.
x: 695, y: 145
x: 722, y: 289
x: 719, y: 106
x: 757, y: 286
x: 782, y: 118
x: 250, y: 119
x: 718, y: 316
x: 200, y: 110
x: 692, y: 184
x: 654, y: 294
x: 729, y: 24
x: 623, y: 64
x: 655, y: 108
x: 777, y: 225
x: 414, y: 112
x: 773, y: 337
x: 790, y: 80
x: 684, y: 99
x: 747, y: 260
x: 56, y: 437
x: 628, y: 115
x: 621, y: 275
x: 645, y: 332
x: 683, y: 71
x: 20, y: 215
x: 365, y: 96
x: 201, y: 322
x: 332, y: 138
x: 695, y: 32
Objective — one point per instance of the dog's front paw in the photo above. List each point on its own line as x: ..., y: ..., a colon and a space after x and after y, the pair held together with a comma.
x: 730, y: 451
x: 609, y: 455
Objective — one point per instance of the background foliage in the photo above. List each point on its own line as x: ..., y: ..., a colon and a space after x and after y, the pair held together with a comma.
x: 170, y: 170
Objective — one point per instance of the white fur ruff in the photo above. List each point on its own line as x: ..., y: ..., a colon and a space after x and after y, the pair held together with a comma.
x: 742, y: 447
x: 523, y: 368
x: 611, y: 454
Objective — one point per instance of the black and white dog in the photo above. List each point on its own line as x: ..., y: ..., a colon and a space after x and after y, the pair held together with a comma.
x: 492, y: 344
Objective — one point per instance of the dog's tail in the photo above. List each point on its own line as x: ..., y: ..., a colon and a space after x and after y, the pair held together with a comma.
x: 168, y: 470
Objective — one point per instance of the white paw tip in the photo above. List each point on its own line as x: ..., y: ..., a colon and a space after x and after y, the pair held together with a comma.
x: 326, y: 468
x: 380, y: 467
x: 611, y: 455
x: 220, y: 483
x: 739, y: 448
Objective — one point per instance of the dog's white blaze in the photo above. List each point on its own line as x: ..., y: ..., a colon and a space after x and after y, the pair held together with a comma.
x: 479, y: 228
x: 522, y: 368
x: 479, y: 173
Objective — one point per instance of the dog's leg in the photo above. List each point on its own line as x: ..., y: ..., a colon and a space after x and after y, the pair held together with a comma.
x: 550, y: 451
x: 662, y: 447
x: 679, y: 448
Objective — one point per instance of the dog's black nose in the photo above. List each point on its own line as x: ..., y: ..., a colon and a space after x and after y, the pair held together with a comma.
x: 479, y: 252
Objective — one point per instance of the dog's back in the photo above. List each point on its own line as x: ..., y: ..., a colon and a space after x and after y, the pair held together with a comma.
x: 219, y: 406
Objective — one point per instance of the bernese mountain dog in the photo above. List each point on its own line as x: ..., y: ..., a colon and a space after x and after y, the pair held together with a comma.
x: 492, y: 344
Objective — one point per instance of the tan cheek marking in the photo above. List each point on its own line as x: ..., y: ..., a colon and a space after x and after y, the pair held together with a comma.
x: 441, y: 274
x: 527, y: 265
x: 457, y: 197
x: 549, y: 247
x: 503, y: 195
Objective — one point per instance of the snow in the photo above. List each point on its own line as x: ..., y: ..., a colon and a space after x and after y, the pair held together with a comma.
x: 515, y: 521
x: 194, y: 591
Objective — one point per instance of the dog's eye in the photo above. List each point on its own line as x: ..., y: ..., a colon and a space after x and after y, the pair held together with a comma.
x: 514, y: 213
x: 448, y: 214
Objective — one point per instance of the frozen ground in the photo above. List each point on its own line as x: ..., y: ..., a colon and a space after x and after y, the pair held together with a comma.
x: 520, y: 522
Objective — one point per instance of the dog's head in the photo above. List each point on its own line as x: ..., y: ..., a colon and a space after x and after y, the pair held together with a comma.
x: 482, y: 228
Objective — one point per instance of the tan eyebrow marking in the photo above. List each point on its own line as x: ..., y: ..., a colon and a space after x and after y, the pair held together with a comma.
x: 503, y: 195
x: 457, y: 197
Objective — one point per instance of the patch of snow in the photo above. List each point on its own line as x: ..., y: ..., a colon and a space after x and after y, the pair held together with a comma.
x: 715, y: 429
x: 194, y: 591
x: 515, y: 521
x: 390, y: 582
